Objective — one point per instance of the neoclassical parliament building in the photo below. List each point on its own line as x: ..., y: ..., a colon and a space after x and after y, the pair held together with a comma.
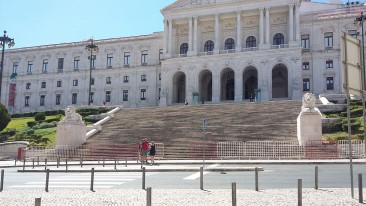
x: 211, y: 50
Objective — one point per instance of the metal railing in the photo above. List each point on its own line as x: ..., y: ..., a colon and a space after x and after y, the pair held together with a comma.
x: 207, y: 150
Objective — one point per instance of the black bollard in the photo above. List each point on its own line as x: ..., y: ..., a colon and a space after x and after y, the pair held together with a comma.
x: 47, y: 179
x: 45, y: 164
x: 33, y: 163
x: 360, y: 193
x: 66, y: 164
x: 299, y: 192
x: 256, y: 180
x: 148, y: 196
x: 233, y: 193
x: 23, y: 164
x: 201, y: 178
x: 316, y: 177
x: 92, y: 180
x: 143, y: 178
x: 2, y: 181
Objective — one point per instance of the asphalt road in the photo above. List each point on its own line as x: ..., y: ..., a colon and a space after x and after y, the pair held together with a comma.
x: 273, y: 177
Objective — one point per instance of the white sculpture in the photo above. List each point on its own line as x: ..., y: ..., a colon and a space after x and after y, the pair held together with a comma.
x: 308, y: 103
x: 71, y: 116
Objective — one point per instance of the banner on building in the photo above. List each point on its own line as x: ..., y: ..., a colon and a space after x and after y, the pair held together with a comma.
x: 12, y: 88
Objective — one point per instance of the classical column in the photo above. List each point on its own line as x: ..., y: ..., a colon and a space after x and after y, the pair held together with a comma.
x: 217, y: 31
x: 190, y: 29
x: 216, y: 88
x: 238, y: 31
x: 267, y: 26
x: 165, y: 39
x: 195, y: 34
x: 297, y: 22
x: 291, y: 23
x: 260, y: 26
x: 170, y: 36
x: 238, y: 87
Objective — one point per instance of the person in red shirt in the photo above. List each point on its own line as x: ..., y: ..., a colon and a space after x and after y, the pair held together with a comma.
x: 144, y: 150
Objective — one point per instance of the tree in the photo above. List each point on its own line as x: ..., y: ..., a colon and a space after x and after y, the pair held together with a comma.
x: 40, y: 116
x: 4, y: 117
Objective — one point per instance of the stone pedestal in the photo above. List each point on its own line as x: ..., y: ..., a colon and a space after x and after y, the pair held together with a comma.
x: 309, y: 122
x: 71, y: 131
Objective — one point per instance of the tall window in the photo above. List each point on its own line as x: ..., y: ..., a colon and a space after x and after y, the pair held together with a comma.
x: 108, y: 96
x: 109, y: 60
x: 27, y: 86
x: 125, y: 95
x: 143, y: 94
x: 328, y: 39
x: 15, y: 67
x: 30, y: 67
x: 74, y: 98
x: 159, y: 92
x: 305, y: 41
x: 76, y: 62
x: 41, y: 100
x: 60, y: 64
x: 229, y: 44
x: 305, y: 66
x: 159, y: 76
x: 26, y: 101
x: 278, y: 39
x: 160, y: 54
x: 127, y: 57
x: 330, y: 83
x: 144, y: 55
x: 59, y: 83
x: 209, y: 46
x: 251, y: 42
x: 125, y: 79
x: 74, y: 82
x: 92, y: 81
x: 94, y: 57
x: 143, y: 78
x: 108, y: 80
x: 329, y: 64
x: 91, y: 97
x: 58, y: 99
x: 353, y: 33
x: 183, y: 48
x: 45, y: 65
x: 43, y: 85
x: 306, y: 84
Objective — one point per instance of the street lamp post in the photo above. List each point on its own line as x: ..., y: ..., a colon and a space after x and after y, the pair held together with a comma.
x: 92, y: 48
x: 4, y: 40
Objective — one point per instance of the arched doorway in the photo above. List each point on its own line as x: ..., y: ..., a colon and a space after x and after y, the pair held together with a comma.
x: 205, y: 85
x: 279, y: 81
x: 250, y: 82
x: 227, y: 83
x: 179, y: 87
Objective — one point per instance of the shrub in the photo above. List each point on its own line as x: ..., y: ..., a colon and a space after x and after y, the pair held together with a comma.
x: 40, y: 116
x: 4, y: 117
x: 31, y: 123
x: 45, y: 125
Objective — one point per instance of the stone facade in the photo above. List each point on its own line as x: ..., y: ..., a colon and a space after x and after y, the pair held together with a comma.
x: 216, y: 50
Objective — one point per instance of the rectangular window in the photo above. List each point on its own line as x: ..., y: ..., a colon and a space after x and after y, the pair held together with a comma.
x: 127, y: 57
x: 15, y: 67
x: 329, y: 64
x: 108, y: 96
x: 74, y: 82
x: 58, y: 99
x: 27, y: 86
x: 60, y: 64
x: 76, y: 62
x: 94, y: 57
x: 125, y: 95
x: 108, y: 80
x: 305, y: 66
x: 43, y: 85
x: 353, y: 33
x: 143, y: 94
x: 30, y: 67
x: 91, y: 97
x: 45, y: 66
x: 26, y: 101
x: 159, y: 92
x: 92, y: 81
x: 144, y: 55
x: 328, y: 39
x: 59, y: 83
x: 143, y: 78
x: 109, y: 60
x: 41, y: 100
x: 74, y: 99
x: 305, y: 41
x: 160, y: 54
x: 330, y: 83
x: 159, y: 76
x: 125, y: 79
x: 306, y: 84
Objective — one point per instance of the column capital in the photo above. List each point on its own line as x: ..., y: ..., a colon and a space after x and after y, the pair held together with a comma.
x: 291, y: 6
x: 267, y: 8
x: 261, y: 8
x: 238, y: 12
x: 216, y: 14
x: 195, y: 17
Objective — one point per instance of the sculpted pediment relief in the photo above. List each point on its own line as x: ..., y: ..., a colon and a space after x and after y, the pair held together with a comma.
x: 190, y: 3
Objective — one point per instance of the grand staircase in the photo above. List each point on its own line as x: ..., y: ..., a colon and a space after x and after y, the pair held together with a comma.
x: 181, y: 124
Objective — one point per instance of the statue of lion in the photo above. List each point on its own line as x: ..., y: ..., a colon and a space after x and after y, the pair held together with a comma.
x: 308, y: 102
x: 71, y: 115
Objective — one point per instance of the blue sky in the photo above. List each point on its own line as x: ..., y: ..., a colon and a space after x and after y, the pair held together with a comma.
x: 42, y: 22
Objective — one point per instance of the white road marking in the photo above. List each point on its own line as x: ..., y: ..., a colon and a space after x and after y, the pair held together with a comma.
x: 197, y: 175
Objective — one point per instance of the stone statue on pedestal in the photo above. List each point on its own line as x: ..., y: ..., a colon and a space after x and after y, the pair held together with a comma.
x: 71, y: 131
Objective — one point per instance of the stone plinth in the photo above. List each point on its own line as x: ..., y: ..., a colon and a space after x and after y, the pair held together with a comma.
x: 309, y: 121
x: 71, y: 131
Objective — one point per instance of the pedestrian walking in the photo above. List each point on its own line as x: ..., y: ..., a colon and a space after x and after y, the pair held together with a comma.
x: 144, y: 150
x: 152, y: 153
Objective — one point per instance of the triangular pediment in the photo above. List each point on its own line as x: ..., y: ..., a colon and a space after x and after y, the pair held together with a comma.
x: 183, y: 4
